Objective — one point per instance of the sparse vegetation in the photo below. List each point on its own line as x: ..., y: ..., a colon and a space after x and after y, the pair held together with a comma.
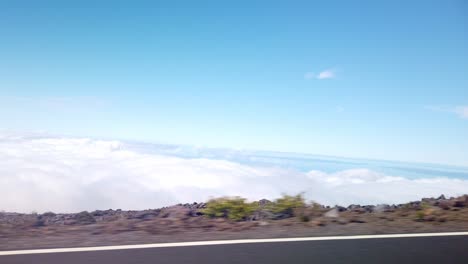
x: 420, y: 215
x: 236, y: 215
x: 233, y: 208
x: 288, y: 205
x: 237, y: 209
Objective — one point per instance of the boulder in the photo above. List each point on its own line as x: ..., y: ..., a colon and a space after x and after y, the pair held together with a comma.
x: 84, y: 218
x: 48, y: 214
x: 369, y: 208
x: 353, y: 207
x: 461, y: 201
x: 98, y: 213
x: 175, y: 212
x: 444, y: 204
x: 145, y: 215
x: 340, y: 208
x: 39, y: 222
x: 262, y: 214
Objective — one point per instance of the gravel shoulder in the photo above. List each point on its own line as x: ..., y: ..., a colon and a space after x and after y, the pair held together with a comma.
x: 182, y: 223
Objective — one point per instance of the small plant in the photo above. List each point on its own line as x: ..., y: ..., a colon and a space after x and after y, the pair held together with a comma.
x: 420, y: 215
x: 425, y: 206
x: 233, y: 208
x: 287, y: 205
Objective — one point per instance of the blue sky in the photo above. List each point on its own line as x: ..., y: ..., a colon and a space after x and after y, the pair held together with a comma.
x: 371, y: 79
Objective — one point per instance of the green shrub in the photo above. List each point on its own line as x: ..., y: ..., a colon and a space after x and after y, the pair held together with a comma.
x: 233, y: 208
x: 288, y: 204
x: 420, y: 215
x: 425, y: 205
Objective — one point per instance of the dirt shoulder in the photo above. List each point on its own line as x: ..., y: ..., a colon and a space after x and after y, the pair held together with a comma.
x: 189, y: 223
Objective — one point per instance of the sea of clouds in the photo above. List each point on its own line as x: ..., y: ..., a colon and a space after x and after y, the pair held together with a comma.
x: 65, y: 174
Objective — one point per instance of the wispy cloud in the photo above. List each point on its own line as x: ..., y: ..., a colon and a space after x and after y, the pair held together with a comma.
x: 461, y: 111
x: 326, y: 74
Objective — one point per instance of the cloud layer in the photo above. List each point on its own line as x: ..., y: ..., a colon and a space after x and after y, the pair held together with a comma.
x: 71, y: 174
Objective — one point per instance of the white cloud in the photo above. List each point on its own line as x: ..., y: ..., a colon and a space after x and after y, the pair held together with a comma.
x: 327, y: 74
x: 461, y: 111
x: 72, y: 174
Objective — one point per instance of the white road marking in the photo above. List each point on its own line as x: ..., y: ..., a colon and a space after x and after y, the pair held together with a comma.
x: 224, y: 242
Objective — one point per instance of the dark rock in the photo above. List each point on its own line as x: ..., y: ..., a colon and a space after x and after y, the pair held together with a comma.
x: 359, y: 210
x: 84, y: 218
x: 413, y: 205
x: 145, y: 215
x: 38, y: 222
x: 340, y: 208
x: 262, y: 214
x: 461, y: 201
x: 264, y: 202
x: 195, y: 212
x: 369, y: 208
x: 444, y: 204
x: 357, y: 220
x: 354, y: 206
x: 280, y: 216
x: 48, y: 214
x: 98, y: 213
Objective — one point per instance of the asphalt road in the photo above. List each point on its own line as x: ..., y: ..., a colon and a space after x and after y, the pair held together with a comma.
x: 443, y: 249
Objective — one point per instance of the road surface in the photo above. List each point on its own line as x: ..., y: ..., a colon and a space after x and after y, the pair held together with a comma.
x: 370, y: 250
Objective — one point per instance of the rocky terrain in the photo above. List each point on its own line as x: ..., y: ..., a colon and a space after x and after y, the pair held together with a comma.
x: 199, y: 221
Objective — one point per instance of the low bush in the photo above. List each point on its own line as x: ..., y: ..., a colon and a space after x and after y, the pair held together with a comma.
x: 288, y: 205
x: 233, y: 208
x: 420, y: 215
